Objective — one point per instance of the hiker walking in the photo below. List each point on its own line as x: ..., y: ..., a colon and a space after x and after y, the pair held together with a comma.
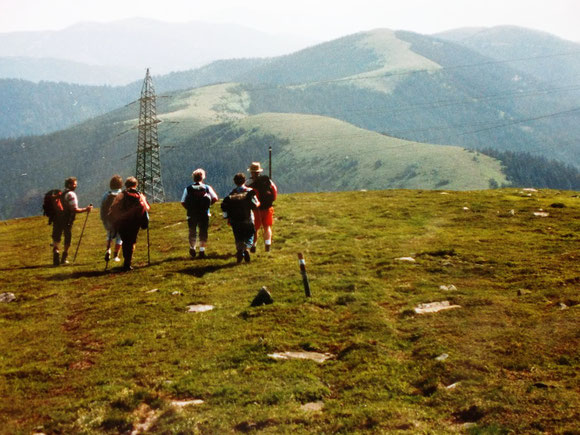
x: 238, y: 208
x: 196, y: 199
x: 115, y: 186
x: 129, y: 213
x: 62, y: 222
x: 266, y: 192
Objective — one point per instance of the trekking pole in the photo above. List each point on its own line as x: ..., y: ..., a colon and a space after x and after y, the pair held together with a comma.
x: 148, y: 253
x: 81, y: 237
x: 270, y: 162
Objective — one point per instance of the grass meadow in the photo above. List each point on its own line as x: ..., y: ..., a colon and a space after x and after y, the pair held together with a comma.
x: 84, y: 350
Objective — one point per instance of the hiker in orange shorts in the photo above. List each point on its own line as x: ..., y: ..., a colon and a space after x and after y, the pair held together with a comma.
x: 266, y: 191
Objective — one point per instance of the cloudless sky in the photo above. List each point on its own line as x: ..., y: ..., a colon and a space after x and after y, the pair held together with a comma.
x: 316, y: 19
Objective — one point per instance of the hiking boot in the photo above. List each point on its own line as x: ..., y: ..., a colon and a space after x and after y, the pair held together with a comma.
x: 117, y: 259
x: 107, y: 256
x: 63, y: 259
x: 267, y: 247
x: 246, y: 256
x: 127, y: 267
x: 192, y: 252
x: 55, y: 258
x: 240, y: 256
x: 253, y: 249
x: 202, y: 254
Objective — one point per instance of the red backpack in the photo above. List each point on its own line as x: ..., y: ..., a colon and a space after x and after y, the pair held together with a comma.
x: 52, y: 205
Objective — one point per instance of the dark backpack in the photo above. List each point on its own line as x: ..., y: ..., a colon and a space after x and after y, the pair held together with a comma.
x: 197, y: 200
x: 106, y: 206
x: 52, y: 205
x: 266, y: 195
x: 239, y: 205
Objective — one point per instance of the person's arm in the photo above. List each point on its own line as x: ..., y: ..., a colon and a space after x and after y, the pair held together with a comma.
x: 274, y: 190
x: 74, y: 205
x: 183, y: 198
x: 212, y: 194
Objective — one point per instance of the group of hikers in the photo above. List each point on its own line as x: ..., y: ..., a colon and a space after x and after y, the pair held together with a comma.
x: 248, y: 208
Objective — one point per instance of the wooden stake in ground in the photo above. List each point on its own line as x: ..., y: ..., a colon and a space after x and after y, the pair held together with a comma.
x: 304, y: 275
x: 81, y: 236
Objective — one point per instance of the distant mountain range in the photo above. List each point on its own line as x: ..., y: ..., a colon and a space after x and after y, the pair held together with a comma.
x: 117, y: 53
x: 374, y: 110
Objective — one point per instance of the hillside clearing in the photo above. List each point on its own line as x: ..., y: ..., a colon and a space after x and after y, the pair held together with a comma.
x: 89, y: 351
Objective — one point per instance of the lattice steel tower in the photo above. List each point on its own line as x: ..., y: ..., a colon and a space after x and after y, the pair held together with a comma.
x: 148, y: 171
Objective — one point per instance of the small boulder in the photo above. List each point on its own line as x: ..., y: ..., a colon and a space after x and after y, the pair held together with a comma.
x: 406, y: 259
x: 262, y: 298
x: 7, y: 297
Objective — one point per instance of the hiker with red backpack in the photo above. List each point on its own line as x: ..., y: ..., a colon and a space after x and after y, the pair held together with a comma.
x: 128, y: 213
x: 197, y: 199
x: 61, y: 209
x: 115, y: 186
x: 266, y: 191
x: 238, y: 208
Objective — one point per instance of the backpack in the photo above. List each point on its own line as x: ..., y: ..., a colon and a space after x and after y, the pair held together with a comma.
x: 239, y: 205
x: 266, y: 194
x: 106, y: 206
x: 131, y: 210
x: 52, y: 205
x: 197, y: 201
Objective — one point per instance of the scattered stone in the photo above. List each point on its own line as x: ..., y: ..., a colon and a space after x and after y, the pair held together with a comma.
x: 176, y: 293
x: 262, y: 298
x: 529, y: 189
x: 448, y: 288
x: 183, y: 403
x: 312, y: 406
x: 153, y: 291
x: 541, y: 213
x: 512, y: 212
x: 562, y: 306
x: 442, y: 357
x: 407, y: 259
x: 452, y: 386
x: 434, y: 307
x: 522, y: 292
x: 314, y: 356
x: 444, y: 193
x: 466, y: 208
x: 7, y: 297
x: 199, y: 308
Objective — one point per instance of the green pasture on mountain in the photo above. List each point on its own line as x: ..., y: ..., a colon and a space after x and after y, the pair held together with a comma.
x: 86, y: 350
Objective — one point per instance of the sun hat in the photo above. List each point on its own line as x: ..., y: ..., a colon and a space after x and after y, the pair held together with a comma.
x: 255, y: 167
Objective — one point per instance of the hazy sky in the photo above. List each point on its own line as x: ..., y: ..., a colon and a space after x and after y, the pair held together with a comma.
x: 318, y: 19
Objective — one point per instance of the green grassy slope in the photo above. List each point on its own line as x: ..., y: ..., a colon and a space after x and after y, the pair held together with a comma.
x: 88, y: 351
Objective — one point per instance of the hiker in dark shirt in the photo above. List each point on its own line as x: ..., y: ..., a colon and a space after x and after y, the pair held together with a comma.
x: 63, y: 223
x: 196, y: 199
x: 238, y: 208
x: 129, y: 213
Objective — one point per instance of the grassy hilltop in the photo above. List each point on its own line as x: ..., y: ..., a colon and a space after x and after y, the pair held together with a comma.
x: 89, y: 351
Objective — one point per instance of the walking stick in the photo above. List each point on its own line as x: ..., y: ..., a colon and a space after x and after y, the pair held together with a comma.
x: 148, y: 254
x: 270, y: 162
x: 81, y: 237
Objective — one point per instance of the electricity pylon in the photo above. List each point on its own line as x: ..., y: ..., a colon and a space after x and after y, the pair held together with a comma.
x: 148, y: 172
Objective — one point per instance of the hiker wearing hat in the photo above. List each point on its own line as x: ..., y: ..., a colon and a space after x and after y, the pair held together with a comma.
x: 63, y: 223
x: 196, y: 199
x: 238, y: 208
x: 266, y: 191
